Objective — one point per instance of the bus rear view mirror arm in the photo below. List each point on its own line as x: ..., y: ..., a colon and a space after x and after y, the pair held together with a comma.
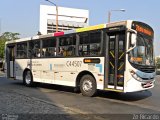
x: 131, y: 48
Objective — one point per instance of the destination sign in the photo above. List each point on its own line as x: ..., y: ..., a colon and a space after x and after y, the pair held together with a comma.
x: 143, y: 28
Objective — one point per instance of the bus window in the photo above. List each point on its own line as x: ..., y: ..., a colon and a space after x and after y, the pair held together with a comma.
x: 84, y: 38
x: 67, y: 46
x: 90, y: 44
x: 94, y: 49
x: 95, y: 37
x: 22, y: 50
x: 49, y: 47
x: 34, y: 46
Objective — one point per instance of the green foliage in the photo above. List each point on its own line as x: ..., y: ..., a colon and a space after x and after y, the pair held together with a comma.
x: 2, y: 46
x: 10, y: 36
x: 7, y: 36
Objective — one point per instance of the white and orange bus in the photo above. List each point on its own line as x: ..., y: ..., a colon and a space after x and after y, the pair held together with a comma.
x: 114, y: 57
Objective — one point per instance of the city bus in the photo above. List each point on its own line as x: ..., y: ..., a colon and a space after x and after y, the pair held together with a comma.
x: 117, y: 57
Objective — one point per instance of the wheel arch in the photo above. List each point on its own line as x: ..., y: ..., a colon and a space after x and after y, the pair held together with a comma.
x: 81, y: 74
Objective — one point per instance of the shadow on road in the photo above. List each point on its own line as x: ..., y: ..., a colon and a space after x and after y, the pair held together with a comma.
x: 135, y: 96
x: 48, y: 86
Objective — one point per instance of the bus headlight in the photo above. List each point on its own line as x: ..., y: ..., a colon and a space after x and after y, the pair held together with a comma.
x: 135, y: 76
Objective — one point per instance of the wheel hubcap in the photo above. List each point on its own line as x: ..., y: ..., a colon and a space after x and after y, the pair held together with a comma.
x: 87, y: 85
x: 28, y: 78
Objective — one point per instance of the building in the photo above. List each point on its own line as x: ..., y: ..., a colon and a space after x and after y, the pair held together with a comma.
x: 68, y: 18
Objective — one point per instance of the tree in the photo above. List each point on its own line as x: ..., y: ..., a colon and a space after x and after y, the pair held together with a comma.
x: 7, y: 36
x: 10, y: 36
x: 2, y: 46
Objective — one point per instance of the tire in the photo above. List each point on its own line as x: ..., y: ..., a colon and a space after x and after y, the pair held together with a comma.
x: 28, y: 78
x: 88, y: 86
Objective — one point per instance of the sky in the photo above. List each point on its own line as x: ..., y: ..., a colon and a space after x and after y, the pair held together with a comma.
x: 22, y: 16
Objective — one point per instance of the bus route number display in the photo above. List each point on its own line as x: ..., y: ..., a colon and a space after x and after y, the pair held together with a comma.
x: 143, y: 30
x: 73, y: 63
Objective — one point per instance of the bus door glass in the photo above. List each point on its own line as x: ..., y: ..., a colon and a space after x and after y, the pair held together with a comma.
x: 10, y: 61
x: 116, y: 60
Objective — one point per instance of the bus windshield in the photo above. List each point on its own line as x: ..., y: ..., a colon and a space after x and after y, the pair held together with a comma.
x: 142, y: 54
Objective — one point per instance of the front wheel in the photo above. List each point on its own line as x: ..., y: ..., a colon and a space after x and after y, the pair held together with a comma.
x: 28, y: 79
x: 88, y: 86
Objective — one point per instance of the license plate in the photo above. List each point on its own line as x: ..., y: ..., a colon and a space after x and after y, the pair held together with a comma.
x: 148, y: 84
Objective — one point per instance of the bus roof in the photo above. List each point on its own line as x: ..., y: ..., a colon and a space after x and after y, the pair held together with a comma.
x: 89, y: 28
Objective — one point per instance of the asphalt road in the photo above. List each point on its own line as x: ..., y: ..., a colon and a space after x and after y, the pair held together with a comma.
x: 62, y: 100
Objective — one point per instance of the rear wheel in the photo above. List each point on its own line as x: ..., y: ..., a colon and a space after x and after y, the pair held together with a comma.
x: 88, y: 86
x: 28, y: 79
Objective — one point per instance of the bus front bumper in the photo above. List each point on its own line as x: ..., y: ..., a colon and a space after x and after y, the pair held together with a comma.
x: 134, y: 85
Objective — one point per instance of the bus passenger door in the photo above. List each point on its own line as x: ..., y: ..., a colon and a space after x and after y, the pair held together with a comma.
x: 10, y: 54
x: 115, y: 60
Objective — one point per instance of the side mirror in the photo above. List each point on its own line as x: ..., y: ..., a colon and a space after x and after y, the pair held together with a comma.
x: 133, y: 39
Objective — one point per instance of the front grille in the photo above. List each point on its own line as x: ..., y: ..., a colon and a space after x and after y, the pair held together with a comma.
x: 150, y: 79
x: 146, y: 69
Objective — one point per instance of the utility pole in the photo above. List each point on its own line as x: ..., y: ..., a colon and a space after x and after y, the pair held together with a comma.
x: 56, y: 14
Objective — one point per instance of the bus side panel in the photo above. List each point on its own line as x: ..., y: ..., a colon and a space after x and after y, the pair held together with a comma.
x: 61, y: 71
x: 20, y: 66
x: 66, y: 70
x: 97, y: 69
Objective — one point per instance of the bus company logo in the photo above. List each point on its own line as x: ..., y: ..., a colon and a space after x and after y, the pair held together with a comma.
x: 143, y: 30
